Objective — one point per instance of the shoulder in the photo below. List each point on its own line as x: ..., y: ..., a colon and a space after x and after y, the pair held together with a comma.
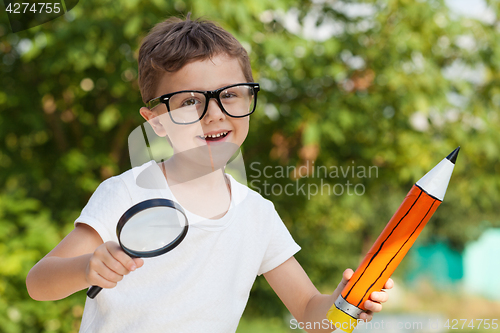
x: 111, y: 187
x: 145, y: 177
x: 128, y: 184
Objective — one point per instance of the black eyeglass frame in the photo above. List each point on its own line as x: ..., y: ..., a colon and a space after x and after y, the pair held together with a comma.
x: 208, y: 95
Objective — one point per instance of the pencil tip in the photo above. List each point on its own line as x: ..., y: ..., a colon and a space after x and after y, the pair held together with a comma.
x: 453, y: 156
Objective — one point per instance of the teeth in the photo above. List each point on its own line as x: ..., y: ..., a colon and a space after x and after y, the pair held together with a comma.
x: 214, y: 135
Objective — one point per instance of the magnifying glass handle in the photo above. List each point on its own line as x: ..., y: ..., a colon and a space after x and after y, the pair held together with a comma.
x: 93, y: 291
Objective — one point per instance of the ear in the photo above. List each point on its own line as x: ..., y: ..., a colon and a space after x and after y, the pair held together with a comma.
x: 154, y: 120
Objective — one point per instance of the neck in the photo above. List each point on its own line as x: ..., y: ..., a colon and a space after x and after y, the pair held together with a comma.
x: 207, y: 195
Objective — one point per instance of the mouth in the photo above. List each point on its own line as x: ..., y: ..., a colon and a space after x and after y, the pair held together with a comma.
x: 214, y: 137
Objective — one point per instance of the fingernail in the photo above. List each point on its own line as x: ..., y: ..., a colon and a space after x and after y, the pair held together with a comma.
x: 133, y: 267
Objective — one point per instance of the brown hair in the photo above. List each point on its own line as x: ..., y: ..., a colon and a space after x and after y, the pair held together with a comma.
x: 174, y: 43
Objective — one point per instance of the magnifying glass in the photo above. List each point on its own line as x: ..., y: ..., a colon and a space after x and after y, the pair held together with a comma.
x: 149, y: 229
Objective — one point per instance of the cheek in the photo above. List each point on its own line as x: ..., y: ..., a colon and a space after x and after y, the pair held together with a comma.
x: 241, y: 126
x: 169, y: 127
x: 180, y: 134
x: 244, y: 126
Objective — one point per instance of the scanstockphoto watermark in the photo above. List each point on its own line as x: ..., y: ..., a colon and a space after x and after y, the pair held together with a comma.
x: 428, y: 325
x: 326, y: 324
x: 310, y: 180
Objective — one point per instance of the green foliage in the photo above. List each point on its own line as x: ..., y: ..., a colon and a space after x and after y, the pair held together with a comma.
x: 382, y: 91
x: 27, y: 233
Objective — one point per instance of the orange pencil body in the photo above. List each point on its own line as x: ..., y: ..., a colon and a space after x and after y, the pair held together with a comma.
x: 390, y: 247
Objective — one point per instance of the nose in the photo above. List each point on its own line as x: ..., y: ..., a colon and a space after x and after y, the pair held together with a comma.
x: 214, y: 112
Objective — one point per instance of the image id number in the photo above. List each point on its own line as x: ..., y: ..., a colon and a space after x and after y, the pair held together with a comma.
x: 37, y: 7
x: 460, y: 324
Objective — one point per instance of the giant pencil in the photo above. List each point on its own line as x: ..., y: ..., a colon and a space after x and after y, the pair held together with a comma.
x: 393, y: 243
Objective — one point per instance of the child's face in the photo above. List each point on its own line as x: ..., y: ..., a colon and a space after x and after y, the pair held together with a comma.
x: 204, y: 75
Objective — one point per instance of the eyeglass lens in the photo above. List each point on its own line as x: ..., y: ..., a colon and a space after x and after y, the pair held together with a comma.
x: 186, y: 107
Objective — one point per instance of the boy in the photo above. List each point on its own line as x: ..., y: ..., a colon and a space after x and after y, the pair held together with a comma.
x: 196, y: 81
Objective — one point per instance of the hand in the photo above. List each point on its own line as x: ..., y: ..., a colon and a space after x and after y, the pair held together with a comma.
x: 109, y: 264
x: 374, y: 303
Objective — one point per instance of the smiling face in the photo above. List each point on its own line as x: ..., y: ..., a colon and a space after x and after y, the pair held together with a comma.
x: 216, y: 127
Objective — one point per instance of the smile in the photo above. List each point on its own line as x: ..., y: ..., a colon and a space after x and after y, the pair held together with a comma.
x: 213, y: 136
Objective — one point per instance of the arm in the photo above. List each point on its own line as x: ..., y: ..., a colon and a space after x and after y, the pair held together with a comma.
x: 78, y: 261
x: 304, y: 301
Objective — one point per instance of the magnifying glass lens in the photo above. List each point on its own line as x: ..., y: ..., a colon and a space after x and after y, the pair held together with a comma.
x: 152, y: 229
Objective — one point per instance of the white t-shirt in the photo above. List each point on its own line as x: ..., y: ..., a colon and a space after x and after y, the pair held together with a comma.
x: 200, y: 286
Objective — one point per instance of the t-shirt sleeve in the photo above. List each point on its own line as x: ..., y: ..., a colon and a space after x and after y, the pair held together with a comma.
x: 105, y: 207
x: 281, y: 246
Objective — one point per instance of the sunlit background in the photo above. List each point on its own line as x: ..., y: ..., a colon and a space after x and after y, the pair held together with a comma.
x: 393, y: 85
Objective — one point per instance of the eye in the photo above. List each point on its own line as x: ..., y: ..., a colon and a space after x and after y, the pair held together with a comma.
x: 228, y: 94
x: 190, y: 102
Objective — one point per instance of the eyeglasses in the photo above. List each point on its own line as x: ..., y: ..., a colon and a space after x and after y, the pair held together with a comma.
x: 189, y: 106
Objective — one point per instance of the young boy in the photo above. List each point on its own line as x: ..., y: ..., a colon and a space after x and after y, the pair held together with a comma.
x: 196, y: 81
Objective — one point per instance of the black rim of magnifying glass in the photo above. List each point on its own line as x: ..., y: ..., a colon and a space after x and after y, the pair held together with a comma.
x: 139, y: 208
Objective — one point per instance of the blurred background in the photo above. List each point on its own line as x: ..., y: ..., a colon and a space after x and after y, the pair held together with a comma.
x: 394, y: 85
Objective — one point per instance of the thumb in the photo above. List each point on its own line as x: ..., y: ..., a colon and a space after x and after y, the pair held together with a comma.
x: 138, y: 262
x: 345, y: 278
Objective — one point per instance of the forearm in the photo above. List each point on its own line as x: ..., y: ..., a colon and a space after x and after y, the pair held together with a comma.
x: 314, y: 317
x: 54, y: 278
x: 301, y: 297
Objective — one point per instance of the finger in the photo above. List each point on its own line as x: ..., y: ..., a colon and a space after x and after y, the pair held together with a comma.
x: 138, y: 262
x: 114, y: 265
x: 389, y: 284
x: 99, y: 281
x: 345, y: 277
x: 366, y: 316
x: 122, y: 258
x: 379, y: 296
x: 103, y: 255
x: 373, y: 306
x: 97, y: 265
x: 103, y: 277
